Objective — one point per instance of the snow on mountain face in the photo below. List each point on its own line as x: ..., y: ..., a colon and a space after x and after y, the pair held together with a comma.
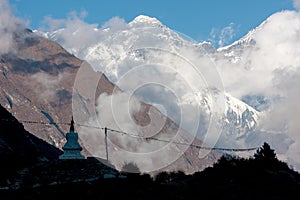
x: 206, y: 47
x: 171, y: 61
x: 146, y: 41
x: 235, y: 50
x: 142, y: 20
x: 240, y: 119
x: 261, y: 69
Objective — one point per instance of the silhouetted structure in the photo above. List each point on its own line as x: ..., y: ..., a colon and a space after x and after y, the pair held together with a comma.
x: 72, y: 147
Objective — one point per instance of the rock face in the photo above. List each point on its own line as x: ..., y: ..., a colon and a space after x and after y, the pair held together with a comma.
x: 37, y: 81
x: 36, y: 85
x: 16, y: 142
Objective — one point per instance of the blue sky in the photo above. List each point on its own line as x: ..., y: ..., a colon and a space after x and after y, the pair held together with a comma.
x: 197, y: 19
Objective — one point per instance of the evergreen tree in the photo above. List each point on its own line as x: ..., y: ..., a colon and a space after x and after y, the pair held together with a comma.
x: 131, y: 168
x: 265, y: 153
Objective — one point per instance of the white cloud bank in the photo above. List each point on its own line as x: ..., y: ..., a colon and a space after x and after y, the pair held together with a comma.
x: 8, y: 25
x: 270, y: 67
x: 297, y: 4
x: 276, y: 47
x: 76, y: 35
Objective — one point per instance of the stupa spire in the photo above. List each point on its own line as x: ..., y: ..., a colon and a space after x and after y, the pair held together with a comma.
x: 72, y: 129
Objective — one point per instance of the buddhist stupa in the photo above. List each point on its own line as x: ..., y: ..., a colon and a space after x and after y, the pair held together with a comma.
x: 72, y: 147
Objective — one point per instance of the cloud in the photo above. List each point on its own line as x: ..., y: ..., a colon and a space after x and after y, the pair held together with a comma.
x: 115, y: 24
x: 8, y: 25
x: 296, y: 4
x: 284, y: 115
x: 76, y: 35
x: 120, y: 118
x: 274, y: 46
x: 224, y: 36
x: 269, y: 67
x: 48, y: 84
x: 117, y: 112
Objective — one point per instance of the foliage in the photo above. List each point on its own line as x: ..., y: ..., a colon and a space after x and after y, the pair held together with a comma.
x: 167, y: 177
x: 262, y: 176
x: 131, y: 168
x: 265, y: 153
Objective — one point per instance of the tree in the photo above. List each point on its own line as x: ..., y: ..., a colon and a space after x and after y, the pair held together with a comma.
x: 130, y: 168
x: 265, y: 153
x: 166, y: 177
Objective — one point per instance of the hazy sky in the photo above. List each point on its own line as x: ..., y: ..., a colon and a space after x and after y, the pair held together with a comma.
x: 198, y: 19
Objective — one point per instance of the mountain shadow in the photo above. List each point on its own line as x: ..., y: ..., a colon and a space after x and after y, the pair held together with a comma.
x: 19, y: 148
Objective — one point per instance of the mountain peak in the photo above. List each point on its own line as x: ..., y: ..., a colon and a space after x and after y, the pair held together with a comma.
x: 143, y: 19
x: 248, y: 39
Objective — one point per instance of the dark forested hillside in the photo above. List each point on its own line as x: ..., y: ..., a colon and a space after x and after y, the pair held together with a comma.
x: 260, y: 177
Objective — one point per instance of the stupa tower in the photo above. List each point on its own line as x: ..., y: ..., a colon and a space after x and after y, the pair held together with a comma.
x: 72, y: 147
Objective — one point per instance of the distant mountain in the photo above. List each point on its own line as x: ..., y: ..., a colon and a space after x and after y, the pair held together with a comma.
x: 117, y: 53
x: 247, y: 68
x: 37, y: 82
x: 235, y: 50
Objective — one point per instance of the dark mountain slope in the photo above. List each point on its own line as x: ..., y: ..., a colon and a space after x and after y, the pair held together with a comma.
x: 19, y: 148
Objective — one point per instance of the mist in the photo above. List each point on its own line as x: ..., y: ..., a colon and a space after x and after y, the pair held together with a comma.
x: 9, y: 24
x: 46, y: 89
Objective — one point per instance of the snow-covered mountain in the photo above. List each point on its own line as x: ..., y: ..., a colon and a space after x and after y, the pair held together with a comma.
x: 145, y: 41
x: 247, y: 90
x: 156, y: 81
x: 235, y: 50
x: 262, y: 69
